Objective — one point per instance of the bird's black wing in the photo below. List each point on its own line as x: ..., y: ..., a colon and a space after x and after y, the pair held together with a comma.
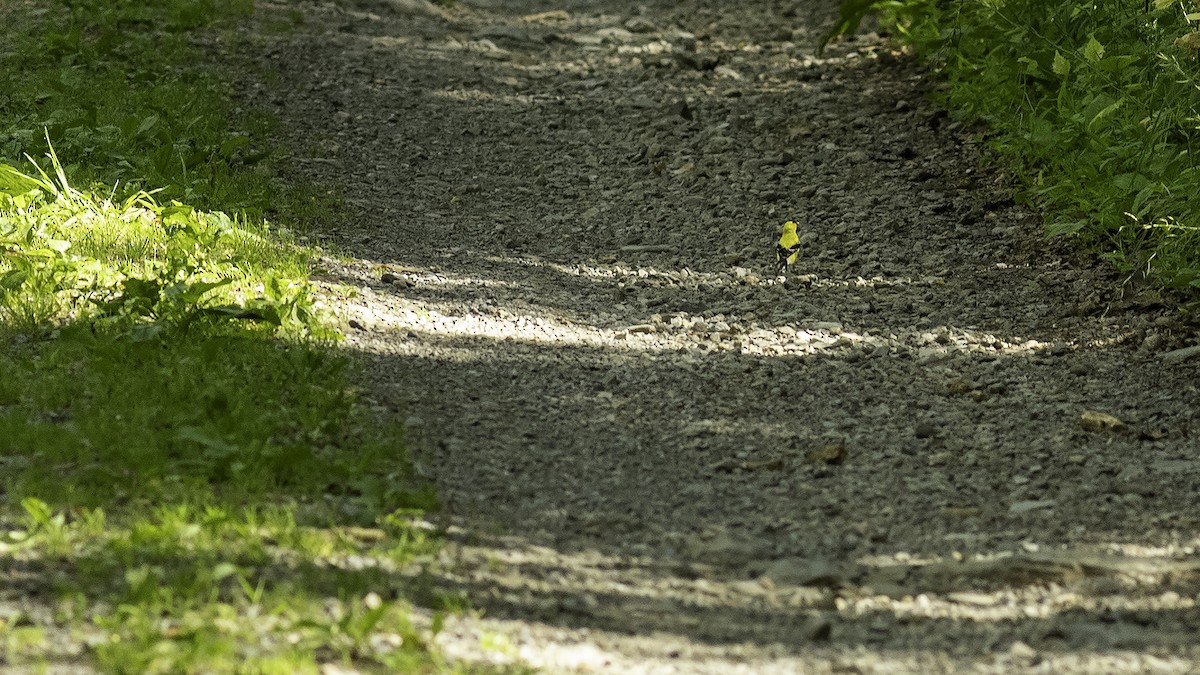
x: 782, y: 253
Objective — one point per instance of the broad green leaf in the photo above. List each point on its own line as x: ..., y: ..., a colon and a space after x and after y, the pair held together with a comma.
x: 231, y: 146
x: 195, y: 291
x: 1093, y: 51
x: 40, y: 253
x: 223, y: 570
x: 13, y: 182
x: 13, y: 279
x: 202, y: 437
x: 1108, y: 110
x: 38, y: 510
x: 144, y: 332
x: 135, y: 287
x: 1031, y: 66
x: 177, y: 214
x: 1063, y: 228
x: 1141, y: 201
x: 147, y: 124
x: 1061, y: 66
x: 1131, y: 181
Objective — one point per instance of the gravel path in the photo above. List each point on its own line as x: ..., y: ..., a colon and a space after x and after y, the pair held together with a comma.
x: 942, y: 444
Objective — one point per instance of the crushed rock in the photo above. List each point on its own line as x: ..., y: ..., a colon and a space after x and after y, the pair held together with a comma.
x: 560, y: 273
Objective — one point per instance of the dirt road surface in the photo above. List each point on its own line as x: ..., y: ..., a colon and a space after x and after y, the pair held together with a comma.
x: 941, y: 444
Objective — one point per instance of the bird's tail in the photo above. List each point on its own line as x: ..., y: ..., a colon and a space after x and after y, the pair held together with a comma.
x: 783, y: 257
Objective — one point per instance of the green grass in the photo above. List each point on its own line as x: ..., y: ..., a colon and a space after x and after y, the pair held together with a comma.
x: 115, y: 87
x: 1094, y: 106
x: 188, y: 481
x: 138, y: 267
x: 107, y: 420
x: 185, y: 588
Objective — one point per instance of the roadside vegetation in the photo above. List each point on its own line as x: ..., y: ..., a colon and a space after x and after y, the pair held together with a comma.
x: 189, y: 482
x: 1095, y: 106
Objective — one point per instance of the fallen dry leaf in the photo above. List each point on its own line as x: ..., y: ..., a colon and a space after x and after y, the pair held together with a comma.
x: 834, y: 453
x: 1092, y: 420
x: 1189, y: 41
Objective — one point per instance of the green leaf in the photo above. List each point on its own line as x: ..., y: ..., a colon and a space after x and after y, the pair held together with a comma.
x: 852, y: 12
x: 1093, y: 51
x: 223, y: 570
x: 369, y: 620
x: 178, y: 219
x: 1031, y: 66
x: 13, y: 182
x: 1130, y: 182
x: 48, y: 253
x: 193, y: 292
x: 145, y: 332
x: 1064, y: 228
x: 133, y: 287
x: 207, y: 440
x: 231, y: 145
x: 1108, y: 110
x: 260, y: 312
x: 38, y: 510
x: 13, y: 280
x: 146, y: 125
x: 1141, y: 201
x: 1061, y: 66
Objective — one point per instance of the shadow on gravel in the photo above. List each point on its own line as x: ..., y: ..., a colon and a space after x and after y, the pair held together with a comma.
x: 972, y: 441
x: 609, y: 450
x: 1071, y: 608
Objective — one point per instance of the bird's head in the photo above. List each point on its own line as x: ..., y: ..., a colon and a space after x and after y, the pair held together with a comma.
x: 789, y: 226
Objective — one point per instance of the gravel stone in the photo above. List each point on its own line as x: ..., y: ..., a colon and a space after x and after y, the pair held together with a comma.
x: 583, y: 209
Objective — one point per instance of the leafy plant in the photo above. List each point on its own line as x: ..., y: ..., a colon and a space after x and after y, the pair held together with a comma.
x: 1094, y: 106
x: 901, y: 16
x: 155, y: 268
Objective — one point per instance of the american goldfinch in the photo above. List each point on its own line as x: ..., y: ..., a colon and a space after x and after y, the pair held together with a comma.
x: 788, y: 248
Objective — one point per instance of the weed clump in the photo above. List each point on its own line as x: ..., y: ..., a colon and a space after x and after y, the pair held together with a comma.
x: 1093, y: 106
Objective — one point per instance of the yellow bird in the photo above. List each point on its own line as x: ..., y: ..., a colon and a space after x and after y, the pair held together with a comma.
x: 788, y: 248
